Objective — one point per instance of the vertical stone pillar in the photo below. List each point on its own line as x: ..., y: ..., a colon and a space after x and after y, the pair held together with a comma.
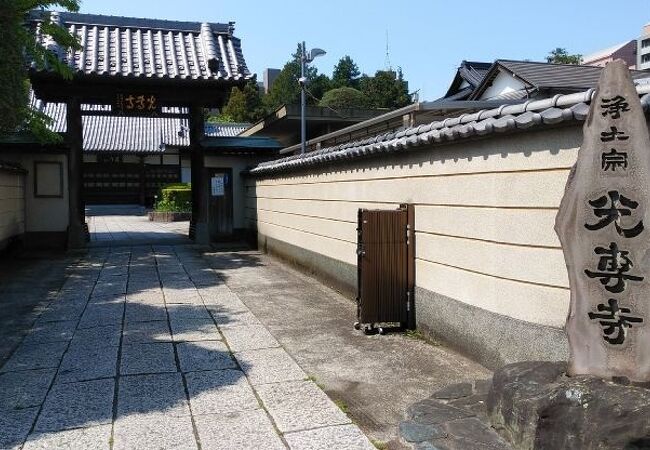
x: 77, y: 213
x: 603, y: 227
x: 199, y: 175
x: 143, y: 181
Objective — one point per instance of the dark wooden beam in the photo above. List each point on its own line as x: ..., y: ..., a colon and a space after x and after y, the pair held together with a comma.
x: 77, y: 213
x: 199, y: 177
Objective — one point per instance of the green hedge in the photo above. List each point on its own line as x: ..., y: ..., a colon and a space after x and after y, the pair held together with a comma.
x: 175, y: 197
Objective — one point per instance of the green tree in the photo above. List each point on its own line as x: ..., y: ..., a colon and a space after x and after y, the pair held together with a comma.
x: 244, y: 105
x: 344, y: 97
x: 18, y: 46
x: 561, y: 56
x: 286, y: 90
x: 387, y: 89
x: 346, y: 74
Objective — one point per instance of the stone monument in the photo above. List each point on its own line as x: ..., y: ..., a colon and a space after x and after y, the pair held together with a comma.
x: 603, y: 227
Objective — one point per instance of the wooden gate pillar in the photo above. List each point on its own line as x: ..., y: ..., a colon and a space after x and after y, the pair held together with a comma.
x: 77, y: 212
x: 201, y: 234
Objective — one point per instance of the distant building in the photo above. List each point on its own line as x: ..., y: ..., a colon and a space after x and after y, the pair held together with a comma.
x: 525, y: 80
x: 468, y: 77
x: 269, y: 78
x: 643, y: 49
x: 627, y: 51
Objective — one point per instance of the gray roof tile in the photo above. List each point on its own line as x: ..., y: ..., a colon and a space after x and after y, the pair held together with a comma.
x: 131, y: 134
x: 533, y: 114
x: 148, y: 48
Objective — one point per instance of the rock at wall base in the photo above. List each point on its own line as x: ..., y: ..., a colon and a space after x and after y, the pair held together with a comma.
x: 534, y: 405
x: 453, y: 418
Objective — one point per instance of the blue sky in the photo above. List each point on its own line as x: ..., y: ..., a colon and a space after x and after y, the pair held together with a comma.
x: 428, y: 39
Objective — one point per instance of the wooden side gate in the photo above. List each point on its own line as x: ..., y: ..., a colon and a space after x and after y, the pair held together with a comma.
x: 386, y: 268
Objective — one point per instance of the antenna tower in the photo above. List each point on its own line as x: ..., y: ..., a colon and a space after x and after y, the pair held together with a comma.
x: 387, y: 60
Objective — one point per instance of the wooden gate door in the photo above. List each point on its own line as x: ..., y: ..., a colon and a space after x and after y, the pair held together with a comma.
x: 386, y: 266
x: 220, y: 205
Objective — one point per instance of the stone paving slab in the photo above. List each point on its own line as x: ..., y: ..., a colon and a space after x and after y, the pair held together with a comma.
x: 106, y: 336
x: 234, y: 319
x: 14, y: 427
x: 343, y: 437
x: 157, y: 432
x: 194, y: 330
x: 19, y: 390
x: 204, y: 355
x: 146, y: 332
x: 147, y: 358
x: 220, y: 391
x: 45, y: 332
x: 77, y: 405
x: 35, y: 356
x: 93, y: 438
x: 248, y: 430
x: 269, y: 366
x: 86, y: 361
x: 300, y: 405
x: 62, y: 312
x: 249, y: 338
x: 152, y: 394
x: 143, y: 312
x: 98, y: 315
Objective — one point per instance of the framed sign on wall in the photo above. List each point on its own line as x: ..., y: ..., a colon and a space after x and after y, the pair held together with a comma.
x: 48, y: 179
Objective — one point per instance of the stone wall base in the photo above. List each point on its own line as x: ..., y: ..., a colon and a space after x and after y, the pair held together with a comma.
x: 492, y: 339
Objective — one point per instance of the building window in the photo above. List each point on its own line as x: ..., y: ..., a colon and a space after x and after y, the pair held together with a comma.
x: 645, y: 58
x: 48, y: 179
x: 645, y: 43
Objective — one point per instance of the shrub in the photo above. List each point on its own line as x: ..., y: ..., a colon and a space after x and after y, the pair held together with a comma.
x: 344, y: 97
x: 175, y: 197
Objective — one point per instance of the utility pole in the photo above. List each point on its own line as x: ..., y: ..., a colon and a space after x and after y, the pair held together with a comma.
x: 303, y: 98
x: 304, y: 59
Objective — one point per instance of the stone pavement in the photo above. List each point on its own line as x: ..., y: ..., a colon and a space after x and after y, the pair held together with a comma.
x: 133, y: 229
x: 148, y: 348
x: 375, y: 377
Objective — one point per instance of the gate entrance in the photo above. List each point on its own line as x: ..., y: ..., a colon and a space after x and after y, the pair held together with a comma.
x: 220, y: 204
x: 386, y: 268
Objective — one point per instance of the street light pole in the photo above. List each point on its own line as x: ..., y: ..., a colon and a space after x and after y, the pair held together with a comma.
x: 304, y: 59
x: 303, y: 98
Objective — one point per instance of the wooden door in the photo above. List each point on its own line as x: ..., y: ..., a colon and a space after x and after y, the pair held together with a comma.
x: 220, y: 204
x: 385, y: 265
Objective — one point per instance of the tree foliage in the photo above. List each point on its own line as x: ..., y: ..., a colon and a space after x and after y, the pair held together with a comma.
x: 244, y: 105
x: 387, y: 89
x: 561, y: 56
x: 344, y: 97
x: 286, y: 90
x: 346, y: 74
x: 18, y: 47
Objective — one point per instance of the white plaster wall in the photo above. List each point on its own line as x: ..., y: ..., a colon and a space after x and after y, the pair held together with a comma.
x: 12, y: 205
x: 504, y: 83
x: 43, y: 214
x: 237, y: 164
x: 484, y: 211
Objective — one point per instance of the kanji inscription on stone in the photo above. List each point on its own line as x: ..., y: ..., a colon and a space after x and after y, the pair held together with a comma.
x: 602, y: 225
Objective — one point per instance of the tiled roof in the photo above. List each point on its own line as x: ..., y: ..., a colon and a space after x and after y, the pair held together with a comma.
x: 148, y: 48
x: 224, y: 129
x: 471, y: 72
x: 544, y: 76
x: 132, y: 134
x: 506, y: 118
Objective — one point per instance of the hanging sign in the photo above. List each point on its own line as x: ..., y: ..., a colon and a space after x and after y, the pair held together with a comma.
x: 217, y: 186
